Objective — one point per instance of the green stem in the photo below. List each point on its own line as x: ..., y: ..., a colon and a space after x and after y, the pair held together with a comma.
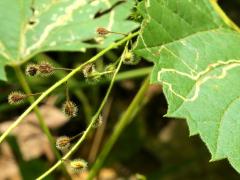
x: 26, y: 88
x: 113, y: 32
x: 49, y: 90
x: 76, y: 136
x: 102, y: 73
x: 136, y: 73
x: 33, y: 94
x: 111, y: 56
x: 64, y: 69
x: 223, y: 15
x: 94, y: 119
x: 122, y: 123
x: 72, y: 82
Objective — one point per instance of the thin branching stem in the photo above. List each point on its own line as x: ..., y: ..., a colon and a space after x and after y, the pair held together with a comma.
x: 76, y: 136
x: 94, y: 119
x: 64, y: 69
x: 44, y: 127
x: 223, y: 15
x: 113, y: 32
x: 71, y: 82
x: 33, y: 94
x: 101, y: 73
x: 60, y: 82
x: 122, y: 123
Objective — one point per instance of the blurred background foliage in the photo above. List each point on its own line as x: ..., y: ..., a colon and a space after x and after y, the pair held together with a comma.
x: 157, y: 147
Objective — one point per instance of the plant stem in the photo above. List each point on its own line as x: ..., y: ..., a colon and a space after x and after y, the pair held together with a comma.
x: 113, y: 32
x: 136, y: 73
x: 94, y: 119
x: 76, y: 136
x: 122, y: 123
x: 100, y: 73
x: 72, y: 82
x: 33, y: 94
x: 223, y: 15
x: 99, y: 134
x: 49, y: 90
x: 26, y: 88
x: 64, y: 69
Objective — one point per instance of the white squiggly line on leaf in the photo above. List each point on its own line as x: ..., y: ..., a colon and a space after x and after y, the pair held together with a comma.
x: 200, y: 78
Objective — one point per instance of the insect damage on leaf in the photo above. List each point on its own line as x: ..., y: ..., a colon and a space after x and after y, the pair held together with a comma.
x: 57, y: 26
x: 197, y: 60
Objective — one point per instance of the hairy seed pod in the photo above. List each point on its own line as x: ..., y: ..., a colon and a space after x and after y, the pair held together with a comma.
x: 70, y: 109
x: 91, y: 74
x: 16, y: 97
x: 88, y: 70
x: 130, y: 58
x: 94, y: 79
x: 45, y: 69
x: 110, y: 68
x: 31, y: 70
x: 78, y: 165
x: 98, y: 122
x: 102, y: 31
x: 63, y: 143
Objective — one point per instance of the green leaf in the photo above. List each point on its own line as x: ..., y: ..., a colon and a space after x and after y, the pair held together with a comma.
x: 197, y: 60
x: 28, y: 28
